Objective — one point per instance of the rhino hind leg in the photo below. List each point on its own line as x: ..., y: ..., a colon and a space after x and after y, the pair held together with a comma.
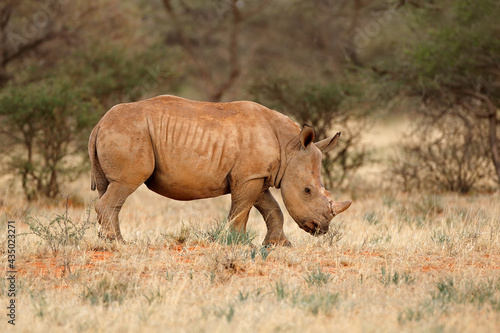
x: 271, y: 212
x: 108, y: 207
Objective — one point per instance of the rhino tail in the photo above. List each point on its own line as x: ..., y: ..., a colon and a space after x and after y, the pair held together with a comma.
x: 95, y: 167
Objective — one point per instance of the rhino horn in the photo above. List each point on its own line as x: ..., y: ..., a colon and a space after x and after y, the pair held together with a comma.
x: 339, y: 207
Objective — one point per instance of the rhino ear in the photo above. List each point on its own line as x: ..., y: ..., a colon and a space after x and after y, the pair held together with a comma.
x: 327, y: 144
x: 306, y: 136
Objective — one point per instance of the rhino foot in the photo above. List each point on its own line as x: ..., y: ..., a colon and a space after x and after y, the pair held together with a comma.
x: 277, y: 242
x: 111, y: 236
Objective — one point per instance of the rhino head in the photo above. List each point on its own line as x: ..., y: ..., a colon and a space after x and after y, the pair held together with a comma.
x: 304, y: 195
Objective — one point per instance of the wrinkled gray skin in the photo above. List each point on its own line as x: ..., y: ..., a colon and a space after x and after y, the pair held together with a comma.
x: 188, y: 150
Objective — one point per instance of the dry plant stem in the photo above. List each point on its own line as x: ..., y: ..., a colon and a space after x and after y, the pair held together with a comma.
x: 402, y: 263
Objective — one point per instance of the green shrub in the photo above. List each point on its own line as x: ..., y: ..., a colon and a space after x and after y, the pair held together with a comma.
x: 328, y: 108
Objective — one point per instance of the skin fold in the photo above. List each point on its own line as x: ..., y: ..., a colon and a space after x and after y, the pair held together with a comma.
x: 187, y: 150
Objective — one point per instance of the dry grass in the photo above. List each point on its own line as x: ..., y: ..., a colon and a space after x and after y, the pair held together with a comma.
x: 392, y: 263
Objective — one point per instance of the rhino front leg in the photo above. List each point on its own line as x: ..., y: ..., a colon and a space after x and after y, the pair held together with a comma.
x: 243, y: 197
x: 271, y: 212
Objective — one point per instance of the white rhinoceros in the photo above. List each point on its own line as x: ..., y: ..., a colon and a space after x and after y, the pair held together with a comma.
x: 188, y: 150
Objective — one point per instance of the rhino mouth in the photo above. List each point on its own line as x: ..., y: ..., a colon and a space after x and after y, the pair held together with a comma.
x: 313, y: 228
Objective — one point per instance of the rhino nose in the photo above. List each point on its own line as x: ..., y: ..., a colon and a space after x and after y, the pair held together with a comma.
x: 337, y: 207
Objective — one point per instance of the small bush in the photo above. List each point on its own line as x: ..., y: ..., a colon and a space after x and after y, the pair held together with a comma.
x: 334, y: 234
x: 60, y: 231
x: 181, y: 236
x: 446, y: 154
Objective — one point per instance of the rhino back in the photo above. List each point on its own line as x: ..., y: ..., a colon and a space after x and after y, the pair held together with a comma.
x: 200, y: 148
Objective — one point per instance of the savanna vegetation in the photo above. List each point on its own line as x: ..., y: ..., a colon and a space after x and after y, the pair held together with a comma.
x: 414, y: 87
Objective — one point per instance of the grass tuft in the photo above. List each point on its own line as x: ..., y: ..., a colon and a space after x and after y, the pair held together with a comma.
x: 396, y: 278
x: 223, y: 233
x: 317, y: 277
x: 105, y: 292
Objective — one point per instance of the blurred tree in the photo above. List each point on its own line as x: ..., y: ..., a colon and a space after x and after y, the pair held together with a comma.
x: 452, y: 62
x: 46, y: 123
x: 449, y: 155
x: 210, y: 36
x: 55, y: 89
x: 222, y: 45
x: 41, y: 122
x: 328, y: 107
x: 16, y: 44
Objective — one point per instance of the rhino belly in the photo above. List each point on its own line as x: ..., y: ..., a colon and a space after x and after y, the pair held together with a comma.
x: 188, y: 185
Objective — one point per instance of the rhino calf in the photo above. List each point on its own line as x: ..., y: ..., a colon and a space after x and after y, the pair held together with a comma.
x: 188, y: 150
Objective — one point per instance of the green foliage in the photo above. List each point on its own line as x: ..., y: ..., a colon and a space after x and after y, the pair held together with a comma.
x: 447, y: 294
x: 212, y: 275
x: 451, y: 64
x: 39, y: 302
x: 440, y: 237
x: 169, y: 276
x: 155, y: 296
x: 281, y: 290
x: 45, y: 121
x: 317, y: 303
x: 446, y: 291
x: 455, y: 46
x: 111, y: 73
x: 264, y: 252
x: 48, y: 117
x: 396, y: 278
x: 328, y: 108
x: 479, y: 294
x: 316, y: 277
x: 223, y: 233
x: 226, y: 312
x: 255, y: 295
x: 371, y: 218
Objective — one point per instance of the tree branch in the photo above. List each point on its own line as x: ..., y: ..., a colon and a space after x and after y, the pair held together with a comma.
x: 256, y: 10
x: 195, y: 56
x: 31, y: 45
x: 234, y: 62
x: 489, y: 104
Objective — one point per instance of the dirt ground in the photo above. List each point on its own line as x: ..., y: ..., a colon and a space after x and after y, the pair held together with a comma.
x: 392, y: 262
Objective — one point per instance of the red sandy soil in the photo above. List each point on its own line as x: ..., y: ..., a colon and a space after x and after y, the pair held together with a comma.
x: 50, y: 266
